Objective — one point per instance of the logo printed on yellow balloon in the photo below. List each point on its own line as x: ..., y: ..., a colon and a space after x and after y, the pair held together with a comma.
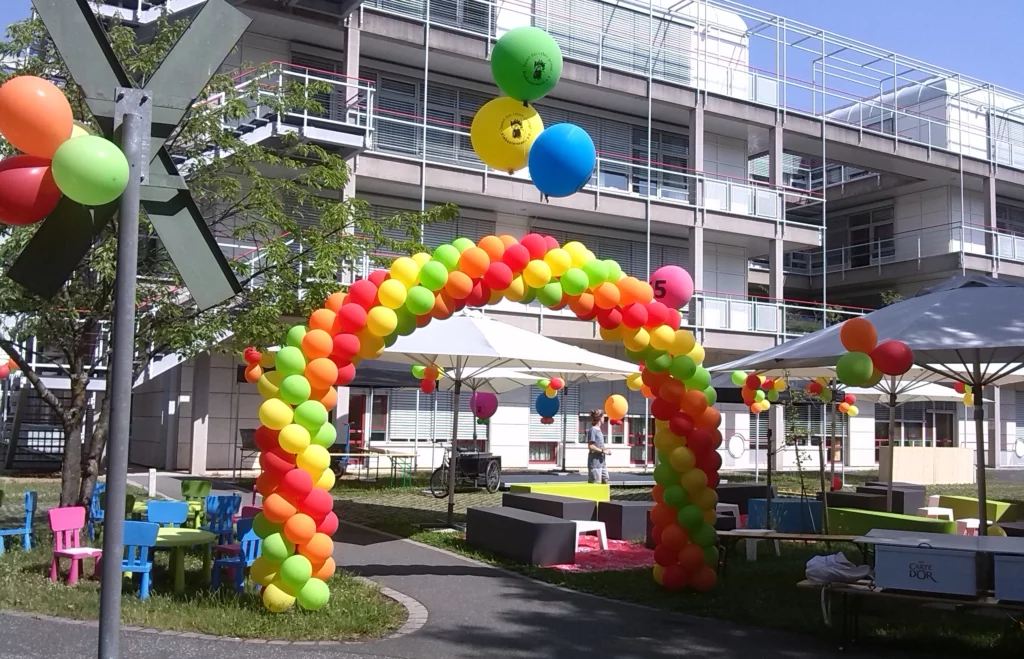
x: 515, y: 129
x: 537, y: 69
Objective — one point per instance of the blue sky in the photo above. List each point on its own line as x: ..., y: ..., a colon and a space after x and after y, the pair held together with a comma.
x: 980, y: 38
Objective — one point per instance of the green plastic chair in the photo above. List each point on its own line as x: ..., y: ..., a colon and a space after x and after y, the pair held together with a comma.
x: 129, y: 504
x: 195, y: 491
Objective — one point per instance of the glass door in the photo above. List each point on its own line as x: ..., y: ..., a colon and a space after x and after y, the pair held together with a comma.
x: 641, y: 443
x: 860, y: 240
x: 943, y: 427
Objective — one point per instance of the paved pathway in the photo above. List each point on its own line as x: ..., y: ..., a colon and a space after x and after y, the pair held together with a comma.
x: 475, y: 611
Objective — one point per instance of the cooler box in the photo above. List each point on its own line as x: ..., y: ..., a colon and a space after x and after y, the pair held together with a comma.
x: 1009, y: 578
x: 925, y: 569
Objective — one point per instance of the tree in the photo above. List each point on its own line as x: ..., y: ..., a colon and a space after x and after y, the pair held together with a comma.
x: 285, y: 201
x: 890, y: 296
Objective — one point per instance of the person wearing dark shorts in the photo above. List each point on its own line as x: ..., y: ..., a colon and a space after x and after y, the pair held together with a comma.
x: 596, y: 467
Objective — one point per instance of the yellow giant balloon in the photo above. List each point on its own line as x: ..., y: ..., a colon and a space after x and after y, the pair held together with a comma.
x: 503, y: 131
x: 276, y: 599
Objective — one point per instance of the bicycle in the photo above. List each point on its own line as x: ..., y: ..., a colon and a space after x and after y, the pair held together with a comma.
x: 467, y: 472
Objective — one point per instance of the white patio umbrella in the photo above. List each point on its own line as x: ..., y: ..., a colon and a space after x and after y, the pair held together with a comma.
x: 967, y: 329
x: 470, y: 345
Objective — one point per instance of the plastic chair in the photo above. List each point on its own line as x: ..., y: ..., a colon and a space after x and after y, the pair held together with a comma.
x: 220, y: 511
x: 66, y: 524
x: 25, y: 530
x: 194, y: 491
x: 139, y: 540
x: 167, y: 514
x: 95, y: 510
x: 129, y: 505
x: 248, y: 550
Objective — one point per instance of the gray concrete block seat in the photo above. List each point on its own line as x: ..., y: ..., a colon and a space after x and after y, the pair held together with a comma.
x: 550, y: 504
x: 521, y: 535
x: 625, y: 520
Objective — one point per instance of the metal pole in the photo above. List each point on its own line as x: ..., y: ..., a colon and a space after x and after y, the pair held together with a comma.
x: 979, y: 440
x: 135, y: 134
x: 565, y: 422
x: 892, y: 443
x: 455, y: 458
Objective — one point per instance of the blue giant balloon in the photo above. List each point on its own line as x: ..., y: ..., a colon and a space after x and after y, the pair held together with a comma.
x: 562, y: 160
x: 547, y: 407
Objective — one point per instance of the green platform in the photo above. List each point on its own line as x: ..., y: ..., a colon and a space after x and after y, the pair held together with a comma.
x: 967, y: 507
x: 591, y: 491
x: 851, y: 521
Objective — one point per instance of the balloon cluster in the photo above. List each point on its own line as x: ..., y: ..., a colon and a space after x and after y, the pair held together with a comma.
x: 758, y: 391
x: 551, y: 386
x: 7, y: 368
x: 58, y: 156
x: 868, y: 360
x: 547, y: 402
x: 848, y: 405
x: 967, y: 391
x: 484, y: 404
x: 508, y: 134
x: 428, y: 376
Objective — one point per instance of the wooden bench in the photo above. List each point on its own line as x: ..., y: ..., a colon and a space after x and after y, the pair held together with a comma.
x: 851, y: 595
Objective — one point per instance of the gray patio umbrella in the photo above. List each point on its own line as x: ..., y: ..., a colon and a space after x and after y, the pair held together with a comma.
x: 968, y: 329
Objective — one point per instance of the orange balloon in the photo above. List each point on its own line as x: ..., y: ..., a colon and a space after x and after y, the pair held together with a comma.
x: 703, y: 579
x: 277, y: 509
x: 507, y: 240
x: 321, y: 373
x: 663, y: 515
x: 716, y: 438
x: 629, y: 290
x: 844, y: 407
x: 582, y: 305
x: 35, y: 117
x: 691, y: 557
x: 858, y: 335
x: 328, y: 397
x: 299, y: 529
x: 711, y: 418
x: 694, y: 403
x: 326, y: 570
x: 442, y: 306
x: 317, y: 343
x: 253, y: 372
x: 672, y: 391
x: 266, y: 483
x: 607, y: 295
x: 459, y: 284
x: 644, y: 293
x: 322, y: 319
x: 424, y: 320
x: 646, y: 391
x: 334, y: 301
x: 675, y: 536
x: 318, y: 549
x: 493, y: 246
x: 474, y: 262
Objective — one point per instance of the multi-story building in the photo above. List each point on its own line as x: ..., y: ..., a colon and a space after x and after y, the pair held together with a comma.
x: 799, y: 175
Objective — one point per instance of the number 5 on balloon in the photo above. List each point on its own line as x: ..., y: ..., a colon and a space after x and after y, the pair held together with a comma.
x: 659, y: 289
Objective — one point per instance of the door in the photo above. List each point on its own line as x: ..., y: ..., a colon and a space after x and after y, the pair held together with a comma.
x: 356, y: 419
x: 943, y: 428
x: 641, y: 443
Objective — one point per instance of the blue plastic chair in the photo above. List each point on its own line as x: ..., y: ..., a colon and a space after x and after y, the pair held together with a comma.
x: 220, y: 513
x: 168, y: 514
x: 25, y: 530
x: 95, y: 510
x: 139, y: 540
x: 249, y: 550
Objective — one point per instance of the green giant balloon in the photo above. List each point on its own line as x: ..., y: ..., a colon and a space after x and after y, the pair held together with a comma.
x: 526, y: 63
x: 92, y: 170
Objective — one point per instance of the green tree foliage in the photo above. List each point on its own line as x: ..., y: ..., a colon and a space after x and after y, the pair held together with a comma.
x: 282, y: 199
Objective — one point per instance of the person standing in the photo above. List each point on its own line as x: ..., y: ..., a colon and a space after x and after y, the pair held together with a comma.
x: 596, y: 466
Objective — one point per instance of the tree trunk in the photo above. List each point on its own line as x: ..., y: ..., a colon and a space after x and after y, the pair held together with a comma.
x: 92, y: 455
x: 73, y: 420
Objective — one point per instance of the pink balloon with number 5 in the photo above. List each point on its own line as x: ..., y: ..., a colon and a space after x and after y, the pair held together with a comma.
x: 484, y: 404
x: 672, y: 286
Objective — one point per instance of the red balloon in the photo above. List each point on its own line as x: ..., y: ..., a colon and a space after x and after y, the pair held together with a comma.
x: 277, y: 461
x: 663, y: 410
x: 814, y: 388
x: 27, y: 190
x: 657, y: 534
x: 658, y: 492
x: 498, y: 276
x: 609, y: 318
x: 378, y: 277
x: 675, y: 537
x: 691, y: 557
x: 634, y: 315
x: 654, y: 380
x: 516, y: 257
x: 550, y: 243
x: 665, y: 555
x: 266, y: 484
x: 673, y: 577
x: 535, y: 245
x: 753, y: 382
x: 959, y: 388
x: 427, y: 385
x: 674, y: 319
x: 699, y: 440
x: 346, y: 374
x: 266, y: 438
x: 251, y: 354
x: 703, y: 579
x: 713, y: 479
x: 329, y: 526
x: 681, y: 424
x: 363, y: 293
x: 346, y: 346
x: 318, y: 504
x: 837, y: 483
x: 657, y: 314
x: 479, y: 296
x: 850, y: 399
x: 672, y: 391
x: 892, y: 357
x: 295, y: 485
x: 663, y: 515
x: 351, y: 318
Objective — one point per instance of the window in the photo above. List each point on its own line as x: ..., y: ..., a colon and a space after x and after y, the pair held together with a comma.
x: 379, y: 418
x: 641, y: 442
x: 397, y: 121
x: 870, y: 237
x: 543, y: 452
x: 614, y: 432
x: 475, y: 16
x: 668, y: 164
x: 918, y: 424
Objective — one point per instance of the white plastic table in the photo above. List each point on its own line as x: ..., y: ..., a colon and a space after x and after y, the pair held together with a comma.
x: 751, y: 542
x: 590, y: 526
x: 936, y: 512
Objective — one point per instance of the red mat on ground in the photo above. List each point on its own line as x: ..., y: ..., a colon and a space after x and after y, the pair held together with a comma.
x: 621, y: 555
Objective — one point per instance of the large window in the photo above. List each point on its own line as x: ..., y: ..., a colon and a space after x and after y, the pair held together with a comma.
x: 868, y: 238
x: 918, y: 424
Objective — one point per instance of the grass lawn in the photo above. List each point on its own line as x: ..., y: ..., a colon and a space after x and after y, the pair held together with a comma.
x: 356, y: 610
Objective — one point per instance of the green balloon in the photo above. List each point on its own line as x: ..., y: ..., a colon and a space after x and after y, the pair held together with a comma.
x: 529, y: 296
x: 294, y: 336
x: 758, y: 395
x: 295, y: 389
x: 658, y: 361
x: 574, y: 281
x: 462, y: 244
x: 314, y: 595
x: 406, y: 322
x: 676, y: 496
x: 614, y: 270
x: 311, y: 415
x: 263, y: 527
x: 543, y: 383
x: 526, y: 63
x: 683, y: 367
x: 711, y: 556
x: 296, y: 571
x: 448, y: 256
x: 665, y: 475
x: 390, y: 339
x: 290, y: 361
x: 637, y: 356
x: 690, y: 517
x: 276, y: 548
x: 711, y: 395
x: 700, y: 379
x: 854, y: 369
x: 550, y: 294
x: 326, y: 436
x: 704, y: 535
x: 418, y: 371
x: 596, y: 271
x: 826, y: 395
x: 738, y: 378
x: 420, y: 299
x: 772, y: 396
x: 90, y: 170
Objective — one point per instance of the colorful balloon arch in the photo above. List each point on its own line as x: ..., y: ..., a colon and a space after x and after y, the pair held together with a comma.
x: 298, y: 382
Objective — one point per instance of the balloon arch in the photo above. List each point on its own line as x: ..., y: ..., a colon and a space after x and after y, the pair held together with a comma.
x: 298, y: 383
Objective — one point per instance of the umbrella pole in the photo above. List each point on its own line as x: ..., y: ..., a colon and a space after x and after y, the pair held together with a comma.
x: 892, y: 443
x: 832, y: 447
x: 564, y: 422
x: 979, y: 432
x: 455, y: 458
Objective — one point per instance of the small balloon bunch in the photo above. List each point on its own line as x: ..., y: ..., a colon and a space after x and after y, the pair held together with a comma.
x: 59, y: 157
x: 484, y: 404
x: 428, y: 376
x: 7, y: 368
x: 551, y: 386
x: 868, y: 361
x: 547, y: 401
x: 967, y: 391
x: 818, y: 388
x: 253, y: 368
x: 758, y: 391
x: 848, y: 405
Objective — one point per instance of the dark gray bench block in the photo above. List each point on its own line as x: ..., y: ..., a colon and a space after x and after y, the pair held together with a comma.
x: 625, y: 520
x: 740, y: 494
x: 550, y: 504
x: 905, y: 500
x: 521, y: 535
x: 857, y: 500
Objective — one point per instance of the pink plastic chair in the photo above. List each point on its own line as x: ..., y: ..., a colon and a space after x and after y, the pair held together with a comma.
x: 66, y: 524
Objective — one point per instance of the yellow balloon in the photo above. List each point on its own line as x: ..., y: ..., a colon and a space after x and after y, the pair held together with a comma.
x: 780, y: 385
x: 697, y: 354
x: 537, y: 273
x: 269, y: 384
x: 634, y: 381
x: 276, y: 599
x: 421, y: 258
x: 662, y: 337
x: 853, y: 411
x: 326, y: 480
x: 704, y: 498
x: 765, y: 405
x: 381, y: 321
x: 577, y: 252
x: 263, y: 571
x: 637, y: 341
x: 659, y: 572
x: 660, y: 424
x: 405, y: 270
x: 682, y: 343
x: 392, y: 293
x: 693, y: 480
x: 78, y: 129
x: 275, y: 413
x: 314, y: 459
x: 503, y: 131
x: 710, y: 517
x: 559, y: 260
x: 267, y: 359
x: 996, y: 530
x: 610, y: 335
x: 371, y: 346
x: 293, y: 438
x: 495, y: 297
x: 516, y: 290
x: 682, y: 459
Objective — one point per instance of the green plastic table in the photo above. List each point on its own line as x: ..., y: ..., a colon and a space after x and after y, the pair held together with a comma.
x: 177, y: 539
